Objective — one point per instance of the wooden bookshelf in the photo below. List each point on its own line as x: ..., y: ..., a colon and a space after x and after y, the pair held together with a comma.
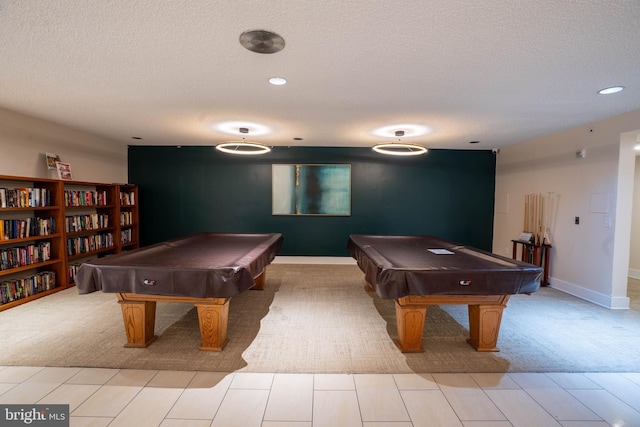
x: 34, y: 263
x: 91, y: 220
x: 127, y: 213
x: 104, y: 235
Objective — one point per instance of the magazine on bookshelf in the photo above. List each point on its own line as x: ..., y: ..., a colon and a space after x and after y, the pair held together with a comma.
x: 64, y: 171
x: 52, y: 159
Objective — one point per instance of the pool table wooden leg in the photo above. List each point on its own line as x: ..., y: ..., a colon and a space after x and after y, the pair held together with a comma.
x: 259, y: 281
x: 484, y: 324
x: 213, y: 319
x: 410, y: 323
x: 139, y: 321
x: 485, y: 316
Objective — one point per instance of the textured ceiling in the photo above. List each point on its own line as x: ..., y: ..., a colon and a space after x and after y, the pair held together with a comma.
x: 170, y: 72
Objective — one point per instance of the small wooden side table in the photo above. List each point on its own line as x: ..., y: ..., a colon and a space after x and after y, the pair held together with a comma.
x: 534, y: 254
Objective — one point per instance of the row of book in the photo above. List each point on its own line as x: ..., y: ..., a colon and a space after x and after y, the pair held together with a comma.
x: 85, y: 198
x: 92, y: 221
x: 126, y: 218
x: 127, y: 198
x: 20, y: 256
x: 12, y: 290
x: 72, y: 271
x: 24, y: 197
x: 126, y: 236
x: 26, y: 227
x: 85, y: 244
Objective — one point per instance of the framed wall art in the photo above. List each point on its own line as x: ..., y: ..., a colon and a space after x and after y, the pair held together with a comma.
x: 311, y: 189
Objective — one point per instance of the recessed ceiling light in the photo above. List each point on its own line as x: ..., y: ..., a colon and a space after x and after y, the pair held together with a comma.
x: 637, y: 147
x: 278, y: 81
x: 297, y: 139
x: 136, y: 137
x: 610, y: 90
x: 474, y: 142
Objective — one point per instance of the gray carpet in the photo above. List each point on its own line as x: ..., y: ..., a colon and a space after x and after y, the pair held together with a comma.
x: 319, y: 319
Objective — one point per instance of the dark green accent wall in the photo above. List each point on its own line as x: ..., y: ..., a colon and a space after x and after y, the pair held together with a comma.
x: 446, y: 193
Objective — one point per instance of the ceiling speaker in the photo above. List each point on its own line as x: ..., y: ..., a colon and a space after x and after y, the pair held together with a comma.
x: 262, y: 41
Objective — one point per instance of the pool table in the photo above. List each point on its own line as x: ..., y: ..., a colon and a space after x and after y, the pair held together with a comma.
x: 419, y: 271
x: 205, y: 269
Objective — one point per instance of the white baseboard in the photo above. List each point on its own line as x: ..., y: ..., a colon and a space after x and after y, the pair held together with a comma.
x: 314, y: 260
x: 635, y: 274
x: 614, y: 303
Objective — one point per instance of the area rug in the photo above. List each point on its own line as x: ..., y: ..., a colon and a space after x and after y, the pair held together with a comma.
x: 320, y: 319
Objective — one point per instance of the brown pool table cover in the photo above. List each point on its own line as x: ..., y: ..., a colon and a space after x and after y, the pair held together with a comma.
x: 398, y: 266
x: 203, y: 265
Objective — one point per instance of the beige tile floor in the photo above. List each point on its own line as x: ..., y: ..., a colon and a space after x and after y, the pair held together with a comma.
x: 118, y: 397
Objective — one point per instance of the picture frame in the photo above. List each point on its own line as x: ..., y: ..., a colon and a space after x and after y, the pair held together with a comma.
x: 311, y: 189
x: 64, y: 171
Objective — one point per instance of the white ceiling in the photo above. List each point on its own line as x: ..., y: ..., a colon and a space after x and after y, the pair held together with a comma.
x: 170, y: 71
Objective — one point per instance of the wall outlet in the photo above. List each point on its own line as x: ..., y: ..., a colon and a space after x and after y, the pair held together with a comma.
x: 577, y: 220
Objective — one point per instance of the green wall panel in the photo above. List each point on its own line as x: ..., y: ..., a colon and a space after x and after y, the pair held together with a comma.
x: 446, y: 193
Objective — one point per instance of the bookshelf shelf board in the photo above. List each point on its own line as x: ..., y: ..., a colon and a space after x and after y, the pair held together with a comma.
x: 29, y: 239
x: 29, y: 209
x: 96, y: 252
x: 90, y: 207
x: 30, y: 266
x: 93, y: 231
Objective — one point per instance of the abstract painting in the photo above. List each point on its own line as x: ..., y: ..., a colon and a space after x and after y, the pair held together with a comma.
x: 308, y: 189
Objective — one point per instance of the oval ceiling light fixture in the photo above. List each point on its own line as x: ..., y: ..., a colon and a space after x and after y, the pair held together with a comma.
x: 262, y: 41
x: 245, y: 148
x: 399, y: 148
x: 610, y: 90
x: 278, y: 81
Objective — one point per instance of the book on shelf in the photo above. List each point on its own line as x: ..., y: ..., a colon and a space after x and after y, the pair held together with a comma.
x: 16, y: 289
x: 86, y: 244
x: 126, y: 218
x: 127, y: 198
x: 24, y: 197
x: 20, y: 256
x: 126, y: 236
x: 92, y: 221
x: 74, y: 198
x: 26, y: 227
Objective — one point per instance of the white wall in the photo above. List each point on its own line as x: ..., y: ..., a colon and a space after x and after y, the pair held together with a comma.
x: 582, y: 258
x: 25, y: 139
x: 634, y: 258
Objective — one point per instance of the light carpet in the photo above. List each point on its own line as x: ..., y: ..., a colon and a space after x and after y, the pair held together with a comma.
x: 319, y: 319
